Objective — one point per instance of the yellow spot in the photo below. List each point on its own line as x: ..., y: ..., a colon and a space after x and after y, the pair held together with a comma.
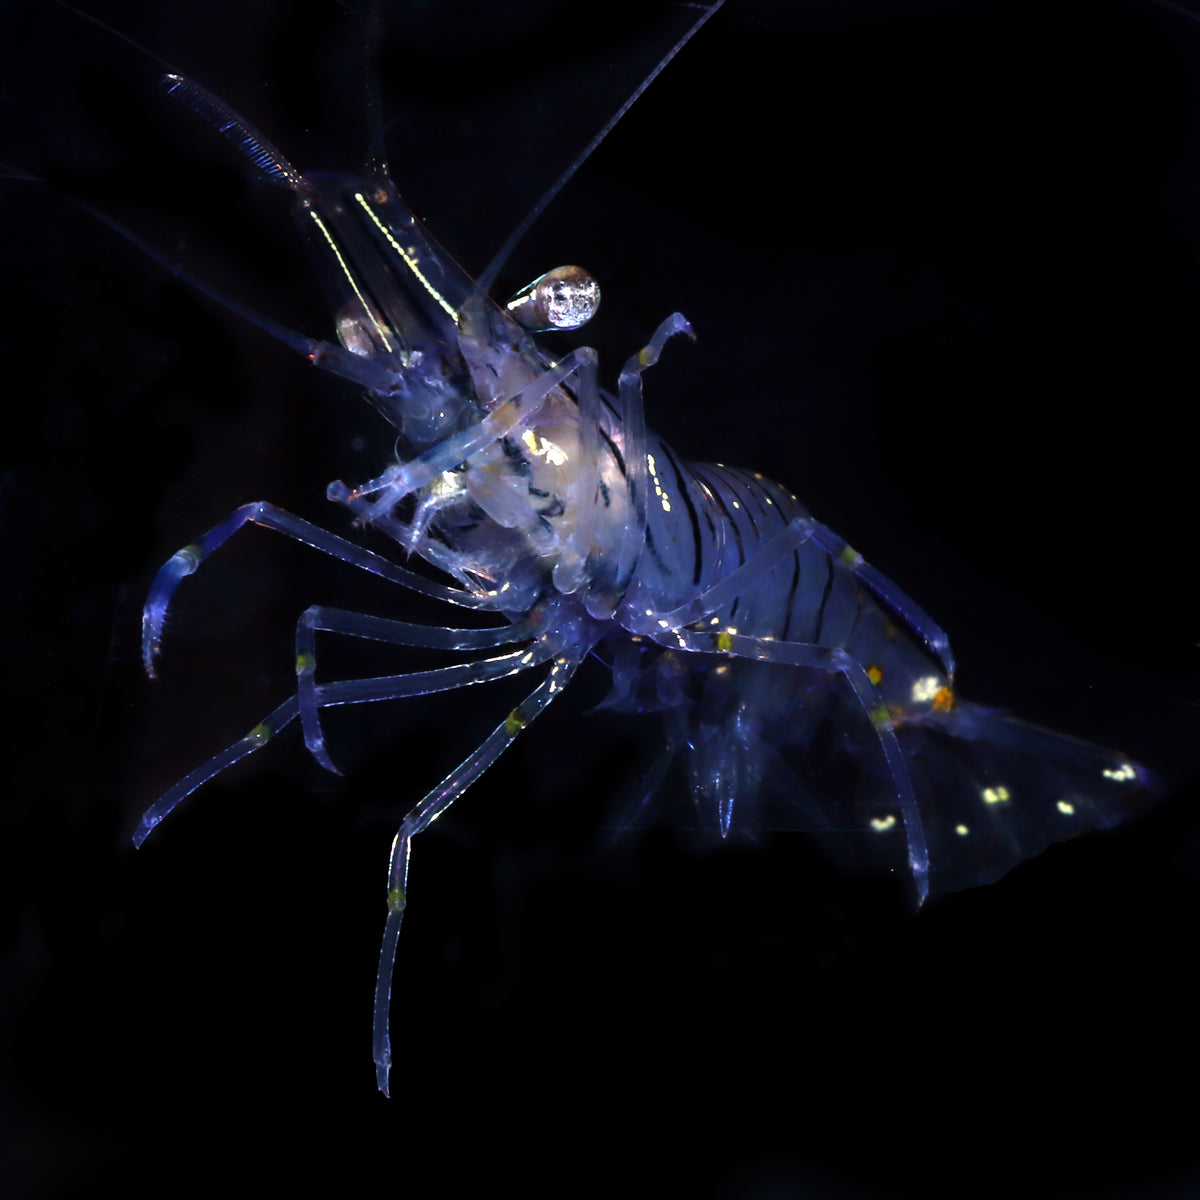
x: 446, y: 484
x: 260, y: 734
x: 724, y: 641
x: 850, y: 556
x: 880, y: 715
x: 875, y: 675
x: 883, y: 824
x: 1065, y: 807
x: 396, y: 900
x: 513, y: 723
x: 644, y: 358
x: 1121, y: 773
x: 305, y: 662
x: 996, y: 795
x: 539, y: 446
x: 943, y: 700
x: 961, y: 830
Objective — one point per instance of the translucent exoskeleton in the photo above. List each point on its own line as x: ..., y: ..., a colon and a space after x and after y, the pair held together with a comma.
x: 798, y: 686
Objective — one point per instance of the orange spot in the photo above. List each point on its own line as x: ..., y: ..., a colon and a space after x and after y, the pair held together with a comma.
x: 875, y: 674
x: 943, y: 699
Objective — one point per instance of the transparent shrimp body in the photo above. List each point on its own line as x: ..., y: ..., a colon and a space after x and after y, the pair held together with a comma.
x: 781, y: 661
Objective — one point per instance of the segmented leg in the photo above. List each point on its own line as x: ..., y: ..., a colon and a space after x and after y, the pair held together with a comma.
x: 831, y: 658
x: 431, y: 807
x: 399, y: 633
x: 633, y: 426
x: 258, y: 737
x: 184, y: 562
x: 900, y: 602
x: 348, y: 691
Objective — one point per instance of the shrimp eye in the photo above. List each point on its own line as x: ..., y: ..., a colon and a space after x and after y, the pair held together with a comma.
x: 564, y: 298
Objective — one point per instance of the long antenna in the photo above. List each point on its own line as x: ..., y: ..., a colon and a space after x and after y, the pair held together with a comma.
x: 485, y: 281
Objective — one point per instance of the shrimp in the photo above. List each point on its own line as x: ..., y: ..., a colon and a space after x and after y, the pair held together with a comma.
x: 789, y: 672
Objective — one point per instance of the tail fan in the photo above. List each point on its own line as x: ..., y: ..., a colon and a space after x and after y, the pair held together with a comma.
x: 995, y: 791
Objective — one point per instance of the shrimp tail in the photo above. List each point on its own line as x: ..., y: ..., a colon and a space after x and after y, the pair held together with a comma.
x: 765, y: 748
x: 996, y: 790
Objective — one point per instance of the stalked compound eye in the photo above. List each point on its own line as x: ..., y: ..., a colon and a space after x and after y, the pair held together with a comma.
x: 564, y: 298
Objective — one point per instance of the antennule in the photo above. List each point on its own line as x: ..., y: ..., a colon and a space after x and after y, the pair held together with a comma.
x: 269, y: 161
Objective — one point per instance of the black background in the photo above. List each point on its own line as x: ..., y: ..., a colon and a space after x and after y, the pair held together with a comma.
x: 944, y: 265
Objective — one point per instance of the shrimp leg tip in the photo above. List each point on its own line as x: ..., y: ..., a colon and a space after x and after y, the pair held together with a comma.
x: 142, y: 832
x: 383, y: 1069
x: 920, y: 873
x: 181, y: 564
